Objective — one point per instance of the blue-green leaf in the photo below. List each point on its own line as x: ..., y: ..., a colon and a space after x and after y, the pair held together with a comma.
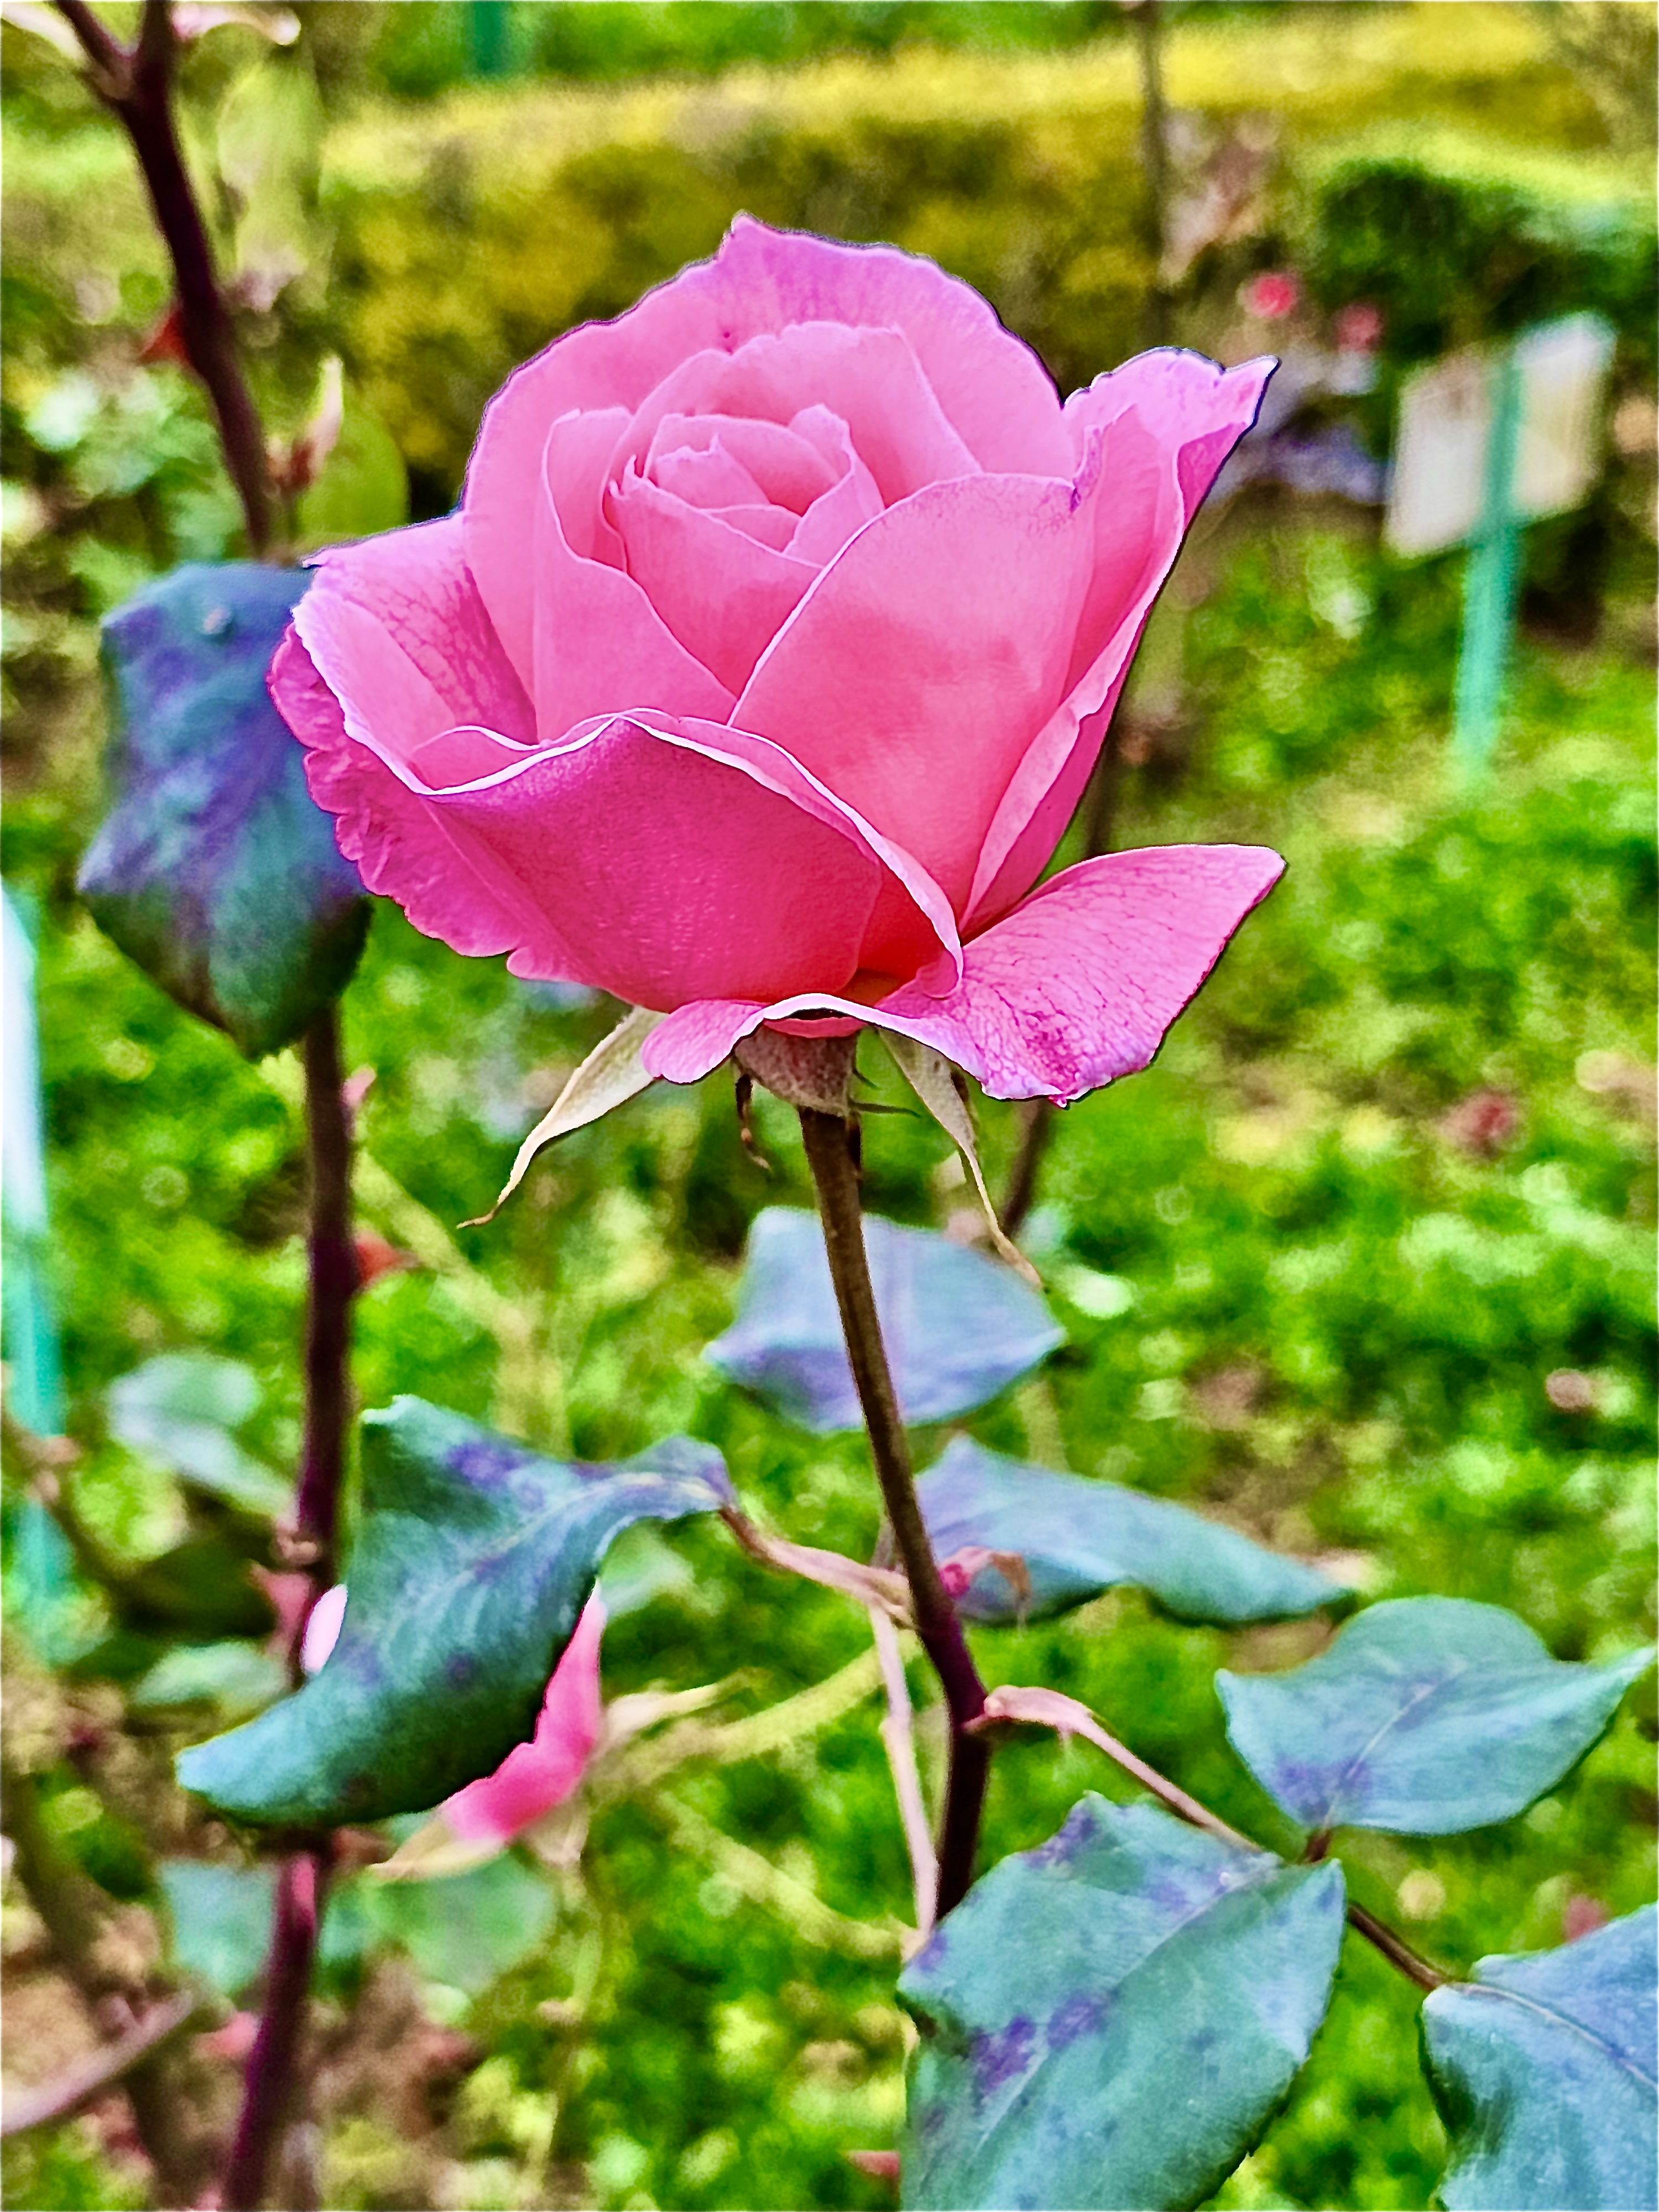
x: 465, y: 1930
x: 1427, y: 1716
x: 1544, y: 2069
x: 1079, y: 1537
x: 220, y: 1919
x: 1112, y: 2019
x: 958, y: 1328
x: 184, y: 1409
x: 215, y: 869
x: 474, y: 1557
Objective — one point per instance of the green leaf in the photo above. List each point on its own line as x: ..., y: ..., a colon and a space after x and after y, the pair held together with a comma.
x: 221, y: 1916
x: 1079, y: 1537
x: 1112, y: 2018
x: 268, y: 142
x: 466, y: 1929
x: 237, y: 1680
x: 474, y: 1557
x: 214, y: 870
x: 220, y: 1919
x: 958, y: 1328
x: 1427, y: 1716
x: 1544, y: 2069
x: 184, y: 1409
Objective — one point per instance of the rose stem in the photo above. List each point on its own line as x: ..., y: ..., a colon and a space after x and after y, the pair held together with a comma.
x: 136, y: 83
x: 303, y: 1881
x: 829, y: 1156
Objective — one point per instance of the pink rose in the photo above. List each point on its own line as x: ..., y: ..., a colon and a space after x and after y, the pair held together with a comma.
x: 534, y: 1777
x: 1273, y: 294
x: 765, y: 662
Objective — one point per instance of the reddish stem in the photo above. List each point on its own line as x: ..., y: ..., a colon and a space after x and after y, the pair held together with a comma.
x: 272, y: 2065
x: 136, y: 84
x: 829, y: 1156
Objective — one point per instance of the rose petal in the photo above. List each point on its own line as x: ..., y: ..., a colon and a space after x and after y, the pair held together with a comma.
x: 1193, y: 405
x: 399, y: 846
x: 599, y: 645
x: 915, y: 672
x: 542, y: 1773
x: 397, y: 628
x: 666, y: 861
x: 990, y: 386
x: 870, y: 377
x: 575, y: 463
x: 723, y: 594
x: 775, y: 526
x: 1076, y: 988
x: 782, y: 467
x: 1167, y: 420
x: 851, y: 502
x: 706, y: 476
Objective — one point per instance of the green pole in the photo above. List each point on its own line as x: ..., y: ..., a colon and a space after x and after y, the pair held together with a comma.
x: 489, y: 38
x: 1492, y: 577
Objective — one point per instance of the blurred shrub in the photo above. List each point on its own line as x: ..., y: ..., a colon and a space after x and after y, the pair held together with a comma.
x: 1499, y: 238
x: 469, y: 235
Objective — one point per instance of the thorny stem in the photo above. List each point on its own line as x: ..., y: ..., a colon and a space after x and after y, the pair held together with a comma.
x: 269, y: 2081
x: 828, y: 1154
x: 136, y: 84
x: 333, y: 1284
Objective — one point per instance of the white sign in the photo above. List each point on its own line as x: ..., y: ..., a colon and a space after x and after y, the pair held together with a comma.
x: 1448, y: 412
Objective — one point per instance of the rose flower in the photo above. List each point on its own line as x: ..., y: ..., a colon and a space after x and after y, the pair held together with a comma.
x: 765, y: 661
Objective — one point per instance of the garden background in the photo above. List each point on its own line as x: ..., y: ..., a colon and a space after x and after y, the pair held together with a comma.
x: 1361, y: 1266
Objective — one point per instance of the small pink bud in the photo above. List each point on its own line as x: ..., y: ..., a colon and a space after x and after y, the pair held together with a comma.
x: 1271, y: 296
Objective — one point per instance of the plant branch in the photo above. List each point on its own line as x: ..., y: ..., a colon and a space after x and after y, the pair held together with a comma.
x: 1395, y: 1949
x: 899, y: 1738
x: 333, y: 1284
x: 136, y: 84
x: 1053, y: 1708
x: 268, y: 2082
x: 104, y: 2070
x: 826, y: 1138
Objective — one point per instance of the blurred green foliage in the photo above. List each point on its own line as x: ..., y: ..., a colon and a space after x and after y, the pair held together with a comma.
x: 1361, y: 1265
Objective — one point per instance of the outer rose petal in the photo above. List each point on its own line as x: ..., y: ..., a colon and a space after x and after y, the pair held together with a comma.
x: 1076, y: 988
x: 1199, y: 409
x: 917, y: 669
x: 1169, y: 419
x: 663, y: 860
x: 396, y: 627
x: 538, y: 1774
x: 383, y: 824
x: 989, y: 384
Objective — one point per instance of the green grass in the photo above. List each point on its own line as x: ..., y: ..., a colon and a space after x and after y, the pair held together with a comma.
x: 1341, y: 1324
